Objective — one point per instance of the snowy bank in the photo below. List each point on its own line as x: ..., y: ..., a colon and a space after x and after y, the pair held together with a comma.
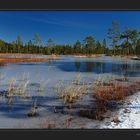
x: 128, y: 116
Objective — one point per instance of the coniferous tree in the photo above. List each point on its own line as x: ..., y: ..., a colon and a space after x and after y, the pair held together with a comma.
x: 37, y: 42
x: 89, y: 44
x: 77, y: 47
x: 114, y: 34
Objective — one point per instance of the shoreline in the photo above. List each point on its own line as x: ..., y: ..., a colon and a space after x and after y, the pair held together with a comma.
x: 89, y: 56
x: 15, y: 55
x: 7, y: 58
x: 16, y: 58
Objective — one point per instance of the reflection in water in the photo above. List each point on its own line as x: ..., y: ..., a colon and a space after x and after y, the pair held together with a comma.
x: 89, y: 66
x: 119, y: 67
x: 124, y: 68
x: 99, y: 67
x: 77, y: 65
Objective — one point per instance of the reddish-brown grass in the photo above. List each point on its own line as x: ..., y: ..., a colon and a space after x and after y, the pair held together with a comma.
x: 16, y: 60
x: 110, y: 92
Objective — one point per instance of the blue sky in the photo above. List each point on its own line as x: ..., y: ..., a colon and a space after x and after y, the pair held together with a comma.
x: 64, y: 27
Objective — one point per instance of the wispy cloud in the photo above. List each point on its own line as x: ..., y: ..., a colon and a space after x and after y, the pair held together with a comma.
x: 57, y: 22
x: 46, y: 21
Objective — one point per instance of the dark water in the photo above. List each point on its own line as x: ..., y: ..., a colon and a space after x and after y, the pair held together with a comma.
x: 120, y: 67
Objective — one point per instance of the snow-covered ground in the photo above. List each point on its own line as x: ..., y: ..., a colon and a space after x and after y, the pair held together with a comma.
x: 128, y: 116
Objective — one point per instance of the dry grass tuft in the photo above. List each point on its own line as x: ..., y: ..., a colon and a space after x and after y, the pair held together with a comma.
x: 33, y: 110
x: 77, y: 79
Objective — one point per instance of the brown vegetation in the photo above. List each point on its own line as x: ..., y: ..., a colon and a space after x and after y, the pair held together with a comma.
x: 114, y: 92
x: 15, y: 58
x: 107, y: 93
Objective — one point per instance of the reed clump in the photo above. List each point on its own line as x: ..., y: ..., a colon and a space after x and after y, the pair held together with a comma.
x: 21, y: 90
x: 42, y: 86
x: 33, y: 110
x: 17, y: 90
x: 77, y: 79
x: 70, y: 94
x: 11, y: 91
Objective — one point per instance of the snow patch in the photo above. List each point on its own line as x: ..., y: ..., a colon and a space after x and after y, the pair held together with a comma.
x: 129, y: 115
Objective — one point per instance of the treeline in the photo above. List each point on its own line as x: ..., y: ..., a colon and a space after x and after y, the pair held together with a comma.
x: 126, y: 42
x: 88, y: 46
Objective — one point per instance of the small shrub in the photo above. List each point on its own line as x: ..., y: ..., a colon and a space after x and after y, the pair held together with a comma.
x: 106, y: 94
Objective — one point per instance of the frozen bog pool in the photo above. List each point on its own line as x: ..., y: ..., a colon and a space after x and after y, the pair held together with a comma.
x: 68, y: 67
x: 90, y: 69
